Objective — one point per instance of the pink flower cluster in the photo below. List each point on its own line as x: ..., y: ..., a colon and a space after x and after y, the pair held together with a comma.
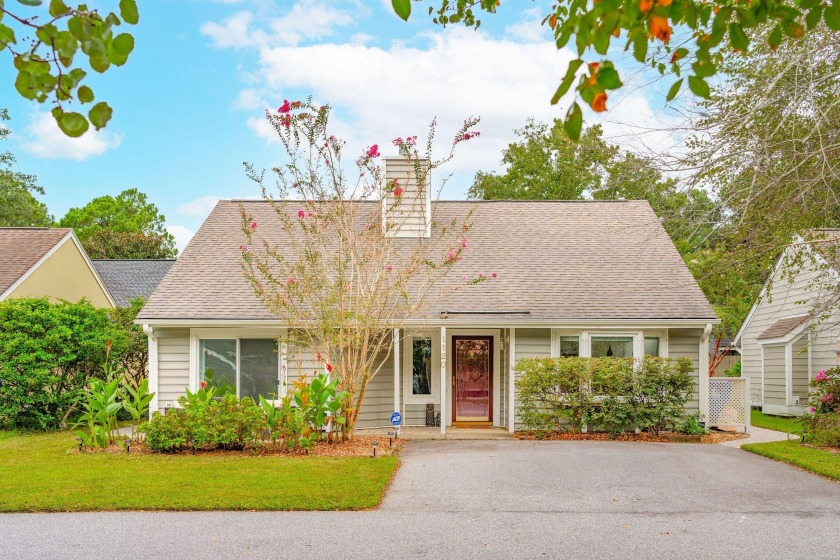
x: 409, y: 141
x: 245, y: 248
x: 373, y: 151
x: 253, y: 225
x: 468, y: 135
x: 821, y: 376
x: 303, y: 214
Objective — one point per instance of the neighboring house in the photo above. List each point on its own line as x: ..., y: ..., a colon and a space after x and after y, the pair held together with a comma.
x: 790, y: 333
x: 588, y: 278
x: 129, y: 279
x: 39, y: 262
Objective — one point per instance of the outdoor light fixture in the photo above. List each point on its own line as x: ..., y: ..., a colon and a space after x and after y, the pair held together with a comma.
x: 391, y: 437
x: 374, y: 443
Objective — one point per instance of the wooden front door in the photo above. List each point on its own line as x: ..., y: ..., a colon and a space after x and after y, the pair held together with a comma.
x: 472, y: 379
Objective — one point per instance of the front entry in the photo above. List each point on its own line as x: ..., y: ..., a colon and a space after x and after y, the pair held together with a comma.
x: 472, y: 379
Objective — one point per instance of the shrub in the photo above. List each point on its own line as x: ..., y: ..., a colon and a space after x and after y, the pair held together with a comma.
x: 734, y: 371
x: 48, y: 352
x: 822, y: 419
x: 609, y: 394
x: 692, y: 424
x: 823, y: 429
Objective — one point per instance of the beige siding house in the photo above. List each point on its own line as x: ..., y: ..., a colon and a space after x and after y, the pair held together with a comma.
x: 789, y: 335
x: 574, y: 278
x: 48, y: 262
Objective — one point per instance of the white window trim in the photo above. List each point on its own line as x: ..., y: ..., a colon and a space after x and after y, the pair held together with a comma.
x: 238, y: 334
x: 586, y: 336
x: 408, y: 369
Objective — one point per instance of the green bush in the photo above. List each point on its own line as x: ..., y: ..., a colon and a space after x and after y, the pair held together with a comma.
x: 208, y: 420
x: 734, y: 371
x: 822, y: 418
x: 614, y: 395
x: 823, y: 429
x: 48, y: 352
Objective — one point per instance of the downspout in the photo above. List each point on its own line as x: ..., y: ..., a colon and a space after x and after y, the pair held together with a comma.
x: 153, y: 368
x: 703, y: 373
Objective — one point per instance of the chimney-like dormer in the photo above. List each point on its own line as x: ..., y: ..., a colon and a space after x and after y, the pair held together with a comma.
x: 406, y: 197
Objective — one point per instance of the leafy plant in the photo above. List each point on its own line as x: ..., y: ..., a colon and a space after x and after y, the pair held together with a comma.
x: 692, y: 424
x: 734, y: 371
x: 136, y: 403
x: 321, y: 403
x: 101, y: 402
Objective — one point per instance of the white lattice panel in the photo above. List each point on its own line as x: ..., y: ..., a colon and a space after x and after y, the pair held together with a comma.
x: 728, y: 402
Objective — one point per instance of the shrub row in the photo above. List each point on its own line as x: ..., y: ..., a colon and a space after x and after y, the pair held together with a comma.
x: 612, y: 395
x: 207, y: 422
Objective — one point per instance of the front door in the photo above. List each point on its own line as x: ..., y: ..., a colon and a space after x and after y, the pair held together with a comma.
x: 472, y: 379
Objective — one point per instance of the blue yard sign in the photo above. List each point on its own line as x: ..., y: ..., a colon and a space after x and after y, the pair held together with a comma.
x: 396, y: 419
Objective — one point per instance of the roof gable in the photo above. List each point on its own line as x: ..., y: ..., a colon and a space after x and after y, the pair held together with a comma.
x: 582, y: 260
x: 22, y: 248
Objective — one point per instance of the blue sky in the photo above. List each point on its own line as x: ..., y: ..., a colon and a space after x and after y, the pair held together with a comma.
x: 189, y: 105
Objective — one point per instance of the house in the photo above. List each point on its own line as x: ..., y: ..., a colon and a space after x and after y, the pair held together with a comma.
x: 129, y: 279
x: 791, y: 331
x: 588, y: 278
x: 48, y: 262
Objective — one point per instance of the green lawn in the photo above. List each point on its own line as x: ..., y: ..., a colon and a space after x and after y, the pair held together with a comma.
x: 39, y: 475
x: 818, y: 461
x: 785, y: 424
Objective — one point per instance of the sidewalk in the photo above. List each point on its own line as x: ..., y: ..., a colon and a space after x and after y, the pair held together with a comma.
x: 759, y: 435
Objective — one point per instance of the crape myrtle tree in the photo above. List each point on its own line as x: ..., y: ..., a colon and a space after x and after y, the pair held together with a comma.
x: 52, y: 45
x: 704, y: 32
x: 331, y: 268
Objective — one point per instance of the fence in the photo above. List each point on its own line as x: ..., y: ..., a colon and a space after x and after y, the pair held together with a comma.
x: 729, y: 402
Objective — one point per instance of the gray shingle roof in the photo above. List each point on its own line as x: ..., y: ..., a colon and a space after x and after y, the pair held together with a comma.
x: 129, y: 279
x: 21, y: 248
x: 783, y: 326
x: 555, y: 259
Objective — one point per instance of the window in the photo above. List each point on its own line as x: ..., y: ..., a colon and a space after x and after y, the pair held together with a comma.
x: 612, y: 346
x: 569, y: 346
x: 421, y: 366
x: 254, y: 373
x: 651, y: 346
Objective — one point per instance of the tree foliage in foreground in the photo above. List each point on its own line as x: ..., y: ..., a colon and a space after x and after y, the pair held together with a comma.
x: 705, y: 34
x: 122, y: 226
x: 18, y: 205
x: 52, y: 45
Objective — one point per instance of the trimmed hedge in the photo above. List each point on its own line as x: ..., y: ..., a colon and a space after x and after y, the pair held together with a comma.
x: 614, y: 395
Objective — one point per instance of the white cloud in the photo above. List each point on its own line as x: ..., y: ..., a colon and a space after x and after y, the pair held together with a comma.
x: 380, y: 93
x: 43, y: 138
x: 307, y: 20
x: 250, y: 99
x: 181, y: 234
x: 200, y: 207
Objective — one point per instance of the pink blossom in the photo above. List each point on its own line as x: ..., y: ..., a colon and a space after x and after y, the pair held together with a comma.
x: 368, y: 226
x: 204, y: 384
x: 481, y: 275
x: 329, y: 368
x: 290, y: 280
x: 373, y: 151
x: 389, y: 267
x: 245, y: 248
x: 286, y: 120
x: 285, y: 107
x: 495, y: 274
x: 464, y: 278
x: 812, y: 410
x: 310, y: 214
x: 468, y: 135
x: 301, y: 213
x: 820, y: 376
x: 451, y: 256
x: 411, y: 140
x: 398, y: 192
x: 253, y: 225
x: 464, y: 243
x: 397, y: 141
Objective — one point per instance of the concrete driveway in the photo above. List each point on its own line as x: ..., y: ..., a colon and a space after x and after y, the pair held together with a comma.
x: 498, y: 499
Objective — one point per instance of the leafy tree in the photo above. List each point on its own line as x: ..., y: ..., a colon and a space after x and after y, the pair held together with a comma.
x: 766, y: 148
x: 47, y: 354
x: 18, y: 205
x: 708, y: 31
x: 43, y: 45
x: 340, y: 282
x: 106, y: 221
x: 107, y: 244
x: 545, y: 165
x: 133, y: 356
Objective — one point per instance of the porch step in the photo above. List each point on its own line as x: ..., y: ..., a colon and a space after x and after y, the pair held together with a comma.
x: 455, y: 433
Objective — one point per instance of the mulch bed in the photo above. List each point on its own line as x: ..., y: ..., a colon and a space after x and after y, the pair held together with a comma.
x: 664, y: 437
x: 359, y: 446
